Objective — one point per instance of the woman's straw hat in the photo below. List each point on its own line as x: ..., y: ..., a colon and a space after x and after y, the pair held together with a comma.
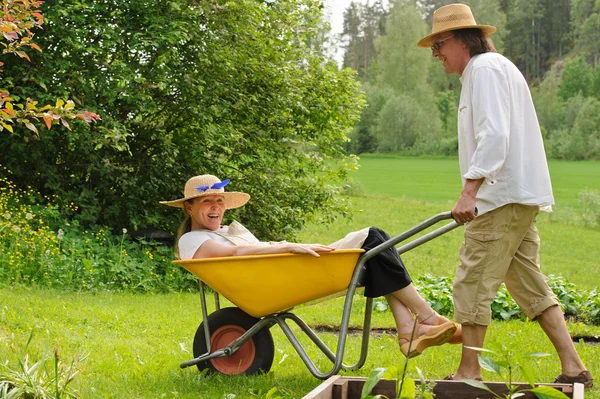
x: 453, y: 17
x: 200, y: 186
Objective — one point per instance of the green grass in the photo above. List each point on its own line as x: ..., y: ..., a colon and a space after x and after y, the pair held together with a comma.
x: 136, y: 342
x: 438, y: 180
x: 567, y: 249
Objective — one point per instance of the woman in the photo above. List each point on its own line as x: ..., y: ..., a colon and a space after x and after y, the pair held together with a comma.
x: 202, y: 236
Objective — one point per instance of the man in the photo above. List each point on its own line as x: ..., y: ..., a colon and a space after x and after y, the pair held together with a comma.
x: 506, y: 178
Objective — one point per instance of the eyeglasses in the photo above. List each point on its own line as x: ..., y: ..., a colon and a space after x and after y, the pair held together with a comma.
x: 436, y: 45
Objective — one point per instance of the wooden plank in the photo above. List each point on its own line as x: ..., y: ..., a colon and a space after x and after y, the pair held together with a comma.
x: 325, y: 390
x: 383, y: 387
x: 340, y: 389
x: 578, y: 391
x: 452, y: 389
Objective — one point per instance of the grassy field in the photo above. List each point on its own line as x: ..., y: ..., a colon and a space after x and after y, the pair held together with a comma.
x: 438, y: 180
x: 135, y: 343
x: 399, y: 193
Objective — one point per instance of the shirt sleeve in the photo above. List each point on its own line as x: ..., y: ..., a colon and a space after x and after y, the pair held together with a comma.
x: 491, y: 123
x: 190, y: 242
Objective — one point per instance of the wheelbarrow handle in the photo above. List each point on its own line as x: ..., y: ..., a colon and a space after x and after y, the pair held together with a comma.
x: 411, y: 232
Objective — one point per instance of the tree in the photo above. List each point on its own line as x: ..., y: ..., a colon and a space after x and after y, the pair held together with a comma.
x: 18, y: 18
x: 363, y: 24
x: 576, y: 79
x: 402, y: 74
x: 189, y: 87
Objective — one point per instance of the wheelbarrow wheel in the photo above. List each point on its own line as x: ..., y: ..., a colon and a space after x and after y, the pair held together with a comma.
x: 254, y: 356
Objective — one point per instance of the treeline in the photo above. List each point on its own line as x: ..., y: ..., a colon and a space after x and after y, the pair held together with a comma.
x: 412, y: 103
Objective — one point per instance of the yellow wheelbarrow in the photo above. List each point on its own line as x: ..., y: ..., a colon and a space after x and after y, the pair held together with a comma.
x: 265, y: 288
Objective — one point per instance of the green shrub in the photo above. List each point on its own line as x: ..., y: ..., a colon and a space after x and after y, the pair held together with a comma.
x: 41, y: 247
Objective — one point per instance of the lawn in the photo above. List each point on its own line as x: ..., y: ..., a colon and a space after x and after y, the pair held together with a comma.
x: 134, y: 343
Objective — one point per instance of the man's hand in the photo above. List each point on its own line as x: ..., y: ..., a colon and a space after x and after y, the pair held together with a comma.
x: 464, y: 210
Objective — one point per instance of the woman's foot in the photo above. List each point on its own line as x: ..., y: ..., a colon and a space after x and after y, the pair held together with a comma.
x: 433, y: 336
x: 457, y: 337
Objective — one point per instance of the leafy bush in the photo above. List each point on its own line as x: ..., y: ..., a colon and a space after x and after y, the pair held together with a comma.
x: 185, y: 88
x: 584, y: 306
x: 41, y: 247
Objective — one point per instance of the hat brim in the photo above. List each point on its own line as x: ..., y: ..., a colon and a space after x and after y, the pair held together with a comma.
x: 427, y: 41
x: 232, y: 199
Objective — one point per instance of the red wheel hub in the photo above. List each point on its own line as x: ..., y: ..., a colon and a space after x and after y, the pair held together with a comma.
x: 241, y: 360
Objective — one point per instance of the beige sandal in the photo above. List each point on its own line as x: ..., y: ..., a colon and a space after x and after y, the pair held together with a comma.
x: 457, y: 337
x: 436, y: 335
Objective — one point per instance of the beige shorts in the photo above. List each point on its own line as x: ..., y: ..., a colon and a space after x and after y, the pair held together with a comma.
x: 501, y: 245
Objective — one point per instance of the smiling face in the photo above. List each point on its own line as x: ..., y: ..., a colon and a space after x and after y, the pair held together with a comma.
x: 206, y: 212
x: 453, y: 53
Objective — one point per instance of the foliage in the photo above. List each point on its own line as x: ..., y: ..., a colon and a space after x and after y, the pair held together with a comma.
x: 555, y: 44
x: 47, y: 378
x: 504, y: 361
x: 17, y: 20
x: 229, y: 88
x: 41, y: 247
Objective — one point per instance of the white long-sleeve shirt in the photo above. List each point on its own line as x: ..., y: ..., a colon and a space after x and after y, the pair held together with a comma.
x: 499, y: 136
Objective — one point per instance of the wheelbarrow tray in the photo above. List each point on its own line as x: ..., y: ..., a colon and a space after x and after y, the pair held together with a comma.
x: 264, y: 284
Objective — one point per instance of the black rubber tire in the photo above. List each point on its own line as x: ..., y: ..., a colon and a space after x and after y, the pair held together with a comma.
x: 264, y: 349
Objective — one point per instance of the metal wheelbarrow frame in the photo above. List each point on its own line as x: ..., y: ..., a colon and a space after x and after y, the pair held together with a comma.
x: 239, y: 343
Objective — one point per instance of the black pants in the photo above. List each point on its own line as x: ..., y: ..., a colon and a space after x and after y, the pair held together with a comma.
x: 385, y: 273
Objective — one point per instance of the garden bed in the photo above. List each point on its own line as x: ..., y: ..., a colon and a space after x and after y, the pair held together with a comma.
x: 339, y: 387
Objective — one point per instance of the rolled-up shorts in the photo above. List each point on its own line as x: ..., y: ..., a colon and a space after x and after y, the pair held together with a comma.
x: 501, y: 245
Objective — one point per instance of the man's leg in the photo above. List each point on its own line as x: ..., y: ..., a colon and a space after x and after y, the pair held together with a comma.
x: 486, y: 254
x: 469, y: 363
x: 552, y: 322
x: 529, y: 288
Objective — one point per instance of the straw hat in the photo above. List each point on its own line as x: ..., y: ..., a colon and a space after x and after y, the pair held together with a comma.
x: 453, y: 17
x: 200, y: 186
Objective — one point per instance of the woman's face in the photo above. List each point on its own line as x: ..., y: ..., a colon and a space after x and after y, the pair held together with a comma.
x: 206, y: 212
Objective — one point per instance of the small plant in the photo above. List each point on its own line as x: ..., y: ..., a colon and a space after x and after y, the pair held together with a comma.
x: 405, y: 386
x: 47, y: 378
x: 505, y: 361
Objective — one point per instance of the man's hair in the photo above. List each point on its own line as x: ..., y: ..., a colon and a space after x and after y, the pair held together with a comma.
x: 475, y: 40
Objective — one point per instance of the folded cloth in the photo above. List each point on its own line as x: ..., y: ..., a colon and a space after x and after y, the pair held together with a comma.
x: 585, y: 378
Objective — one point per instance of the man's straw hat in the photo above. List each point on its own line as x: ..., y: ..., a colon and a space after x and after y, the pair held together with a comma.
x: 453, y: 17
x: 200, y: 186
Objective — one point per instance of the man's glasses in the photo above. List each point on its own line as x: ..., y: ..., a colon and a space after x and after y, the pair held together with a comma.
x: 436, y: 45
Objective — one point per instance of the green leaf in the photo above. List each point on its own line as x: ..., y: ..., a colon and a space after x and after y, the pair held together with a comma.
x: 477, y: 384
x: 546, y: 392
x: 408, y: 389
x: 489, y: 364
x: 527, y: 374
x: 372, y: 380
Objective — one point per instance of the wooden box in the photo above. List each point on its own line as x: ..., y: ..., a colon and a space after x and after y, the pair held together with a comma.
x: 339, y: 387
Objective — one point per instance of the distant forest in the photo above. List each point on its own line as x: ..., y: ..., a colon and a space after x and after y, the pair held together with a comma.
x: 412, y: 102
